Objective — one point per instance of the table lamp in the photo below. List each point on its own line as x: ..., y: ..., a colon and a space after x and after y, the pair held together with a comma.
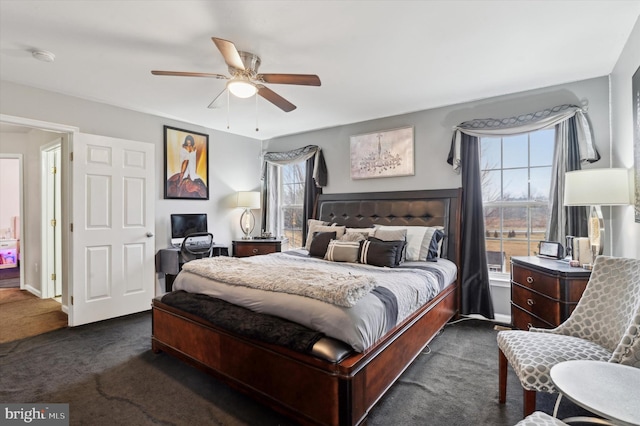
x: 596, y: 188
x: 248, y: 200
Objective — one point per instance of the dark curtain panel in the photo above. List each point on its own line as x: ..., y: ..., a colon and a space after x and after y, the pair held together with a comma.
x: 475, y: 292
x: 312, y: 189
x: 576, y: 216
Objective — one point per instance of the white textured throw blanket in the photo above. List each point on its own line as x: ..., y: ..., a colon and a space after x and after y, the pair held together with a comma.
x: 342, y: 289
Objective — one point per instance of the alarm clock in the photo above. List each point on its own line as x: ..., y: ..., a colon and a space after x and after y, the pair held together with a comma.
x: 551, y: 249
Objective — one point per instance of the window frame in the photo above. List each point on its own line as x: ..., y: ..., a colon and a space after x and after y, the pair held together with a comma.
x: 278, y: 208
x: 530, y: 204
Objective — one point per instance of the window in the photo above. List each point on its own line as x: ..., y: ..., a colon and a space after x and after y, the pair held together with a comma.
x: 516, y: 180
x: 286, y: 215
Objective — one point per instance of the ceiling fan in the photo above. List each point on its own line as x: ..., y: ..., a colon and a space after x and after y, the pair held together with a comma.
x: 245, y: 81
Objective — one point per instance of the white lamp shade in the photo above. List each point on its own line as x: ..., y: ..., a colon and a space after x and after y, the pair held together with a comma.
x: 603, y: 187
x: 249, y: 199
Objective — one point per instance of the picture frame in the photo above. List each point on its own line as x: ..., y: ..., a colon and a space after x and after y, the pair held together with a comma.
x: 635, y: 84
x: 186, y: 164
x: 387, y: 153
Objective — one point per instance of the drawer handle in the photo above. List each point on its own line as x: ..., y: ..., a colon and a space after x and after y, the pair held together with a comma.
x: 529, y: 325
x: 529, y: 280
x: 531, y: 302
x: 255, y: 250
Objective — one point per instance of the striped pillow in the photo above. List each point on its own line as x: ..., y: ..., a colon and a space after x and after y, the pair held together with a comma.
x: 342, y: 251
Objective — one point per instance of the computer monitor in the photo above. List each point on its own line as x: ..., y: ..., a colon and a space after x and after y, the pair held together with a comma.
x: 185, y: 224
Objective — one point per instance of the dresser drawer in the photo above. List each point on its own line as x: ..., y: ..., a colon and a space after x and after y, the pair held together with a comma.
x: 537, y: 304
x: 523, y: 320
x: 245, y: 249
x: 539, y: 281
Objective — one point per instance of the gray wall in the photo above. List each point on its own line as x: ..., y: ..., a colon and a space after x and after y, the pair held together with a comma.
x: 626, y: 232
x: 433, y: 131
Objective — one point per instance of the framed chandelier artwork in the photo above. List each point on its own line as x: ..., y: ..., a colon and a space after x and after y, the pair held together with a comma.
x: 387, y: 153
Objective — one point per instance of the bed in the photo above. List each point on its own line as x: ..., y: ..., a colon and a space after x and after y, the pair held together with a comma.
x: 308, y: 388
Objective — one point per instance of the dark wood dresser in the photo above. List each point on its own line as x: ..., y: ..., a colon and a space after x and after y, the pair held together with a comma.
x: 246, y: 248
x: 544, y: 292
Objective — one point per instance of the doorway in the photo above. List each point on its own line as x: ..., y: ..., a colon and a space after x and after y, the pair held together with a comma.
x: 10, y: 219
x: 33, y: 140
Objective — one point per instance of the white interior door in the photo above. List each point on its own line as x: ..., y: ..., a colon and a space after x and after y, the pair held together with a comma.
x: 112, y: 228
x: 51, y: 220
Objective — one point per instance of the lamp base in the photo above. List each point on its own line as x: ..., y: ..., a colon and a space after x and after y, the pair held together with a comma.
x: 247, y: 223
x: 596, y: 231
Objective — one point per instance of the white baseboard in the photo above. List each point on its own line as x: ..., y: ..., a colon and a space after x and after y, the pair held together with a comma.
x: 503, y: 319
x: 33, y: 290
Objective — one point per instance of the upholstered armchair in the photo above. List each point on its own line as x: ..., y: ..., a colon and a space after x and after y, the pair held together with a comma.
x: 605, y: 326
x: 538, y: 418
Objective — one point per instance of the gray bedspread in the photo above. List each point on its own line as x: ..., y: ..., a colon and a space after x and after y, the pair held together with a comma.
x: 412, y: 285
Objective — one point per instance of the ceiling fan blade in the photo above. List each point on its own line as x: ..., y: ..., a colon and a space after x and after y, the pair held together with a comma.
x: 190, y: 74
x: 275, y: 99
x: 229, y: 53
x: 301, y: 79
x: 212, y: 104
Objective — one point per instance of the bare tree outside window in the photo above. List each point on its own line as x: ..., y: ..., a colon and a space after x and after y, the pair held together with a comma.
x: 292, y: 200
x: 516, y: 179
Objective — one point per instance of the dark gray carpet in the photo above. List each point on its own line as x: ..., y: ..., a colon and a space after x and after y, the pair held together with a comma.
x: 108, y: 374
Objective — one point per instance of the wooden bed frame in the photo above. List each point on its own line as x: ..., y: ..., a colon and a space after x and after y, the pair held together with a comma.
x: 305, y: 388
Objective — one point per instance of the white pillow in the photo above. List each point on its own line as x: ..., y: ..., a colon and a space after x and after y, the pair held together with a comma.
x: 418, y: 239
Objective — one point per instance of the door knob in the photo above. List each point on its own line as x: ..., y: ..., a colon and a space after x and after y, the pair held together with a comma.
x: 149, y: 234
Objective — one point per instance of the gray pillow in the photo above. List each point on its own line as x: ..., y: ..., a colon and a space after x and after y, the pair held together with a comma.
x: 343, y: 251
x: 353, y: 236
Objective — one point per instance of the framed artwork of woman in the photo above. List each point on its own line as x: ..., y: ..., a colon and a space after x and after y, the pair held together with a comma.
x: 186, y: 168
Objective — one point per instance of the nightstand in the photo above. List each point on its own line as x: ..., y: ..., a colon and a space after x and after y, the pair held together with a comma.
x: 544, y: 292
x: 245, y: 248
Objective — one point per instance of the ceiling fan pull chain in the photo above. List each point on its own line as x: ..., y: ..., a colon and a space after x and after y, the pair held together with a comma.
x: 257, y: 129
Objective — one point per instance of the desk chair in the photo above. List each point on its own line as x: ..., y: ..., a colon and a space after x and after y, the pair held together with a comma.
x: 605, y: 326
x: 194, y: 246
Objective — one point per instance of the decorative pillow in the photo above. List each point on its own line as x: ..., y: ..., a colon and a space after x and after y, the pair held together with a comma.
x: 320, y: 242
x: 378, y: 253
x: 339, y: 230
x: 343, y: 251
x: 314, y: 222
x: 367, y: 232
x: 353, y: 236
x: 418, y: 240
x: 399, y: 244
x: 310, y: 224
x: 393, y: 235
x: 435, y: 244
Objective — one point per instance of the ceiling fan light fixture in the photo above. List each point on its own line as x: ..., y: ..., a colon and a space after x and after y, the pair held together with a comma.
x: 242, y: 88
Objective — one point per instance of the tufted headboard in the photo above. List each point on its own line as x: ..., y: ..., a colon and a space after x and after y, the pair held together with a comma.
x: 402, y: 208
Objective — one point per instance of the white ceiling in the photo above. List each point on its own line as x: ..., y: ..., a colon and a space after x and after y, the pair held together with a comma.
x: 374, y: 58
